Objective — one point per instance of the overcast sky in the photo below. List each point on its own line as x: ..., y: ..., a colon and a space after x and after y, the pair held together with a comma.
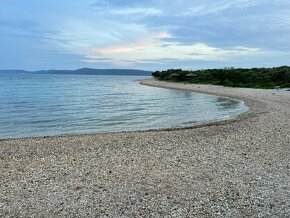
x: 143, y: 34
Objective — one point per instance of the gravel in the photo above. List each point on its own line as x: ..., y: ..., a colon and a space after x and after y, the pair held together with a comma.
x: 233, y: 168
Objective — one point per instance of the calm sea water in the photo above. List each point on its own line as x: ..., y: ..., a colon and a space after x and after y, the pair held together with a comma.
x: 40, y: 105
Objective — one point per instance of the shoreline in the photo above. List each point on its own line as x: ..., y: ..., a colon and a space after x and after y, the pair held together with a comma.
x: 238, y: 167
x: 152, y: 82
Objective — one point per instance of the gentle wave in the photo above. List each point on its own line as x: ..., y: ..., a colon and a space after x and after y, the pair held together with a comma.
x: 40, y: 105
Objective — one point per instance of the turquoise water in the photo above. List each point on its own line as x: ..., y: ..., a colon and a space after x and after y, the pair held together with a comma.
x: 40, y: 105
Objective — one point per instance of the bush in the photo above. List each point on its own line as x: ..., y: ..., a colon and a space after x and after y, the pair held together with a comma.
x: 251, y: 78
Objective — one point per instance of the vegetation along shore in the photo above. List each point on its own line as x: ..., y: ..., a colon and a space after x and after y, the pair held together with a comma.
x: 276, y: 77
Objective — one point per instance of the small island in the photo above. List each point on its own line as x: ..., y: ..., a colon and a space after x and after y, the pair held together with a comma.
x: 266, y: 78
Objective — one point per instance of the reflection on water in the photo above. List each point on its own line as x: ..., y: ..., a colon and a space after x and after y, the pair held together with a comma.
x: 38, y: 105
x: 227, y: 103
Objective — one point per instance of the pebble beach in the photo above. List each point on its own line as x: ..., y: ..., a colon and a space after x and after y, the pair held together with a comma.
x: 233, y: 168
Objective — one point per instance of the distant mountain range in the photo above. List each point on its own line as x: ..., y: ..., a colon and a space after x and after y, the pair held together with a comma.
x: 85, y: 71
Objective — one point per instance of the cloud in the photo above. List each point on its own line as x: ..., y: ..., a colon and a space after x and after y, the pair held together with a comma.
x: 126, y: 8
x: 147, y: 33
x: 78, y: 35
x: 217, y: 6
x: 123, y: 3
x: 136, y: 11
x: 183, y: 33
x: 157, y: 49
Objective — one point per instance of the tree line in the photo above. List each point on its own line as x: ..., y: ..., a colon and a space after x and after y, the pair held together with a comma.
x: 276, y: 77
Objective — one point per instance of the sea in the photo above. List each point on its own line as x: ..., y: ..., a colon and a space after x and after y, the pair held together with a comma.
x: 48, y: 105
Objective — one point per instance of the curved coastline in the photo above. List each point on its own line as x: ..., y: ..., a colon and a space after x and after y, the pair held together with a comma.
x: 232, y: 168
x: 155, y: 83
x: 204, y: 89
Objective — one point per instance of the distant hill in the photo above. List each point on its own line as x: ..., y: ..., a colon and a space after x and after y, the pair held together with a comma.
x: 86, y: 71
x: 13, y: 71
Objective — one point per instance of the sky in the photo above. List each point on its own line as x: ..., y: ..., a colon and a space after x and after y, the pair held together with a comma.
x: 144, y: 34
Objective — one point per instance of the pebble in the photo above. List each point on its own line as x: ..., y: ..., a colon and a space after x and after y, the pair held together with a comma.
x: 213, y: 170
